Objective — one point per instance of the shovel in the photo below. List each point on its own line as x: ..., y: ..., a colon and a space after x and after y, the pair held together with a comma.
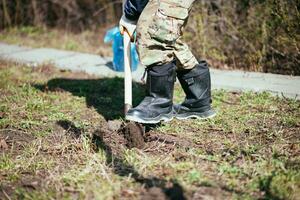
x: 127, y: 72
x: 127, y: 69
x: 133, y: 132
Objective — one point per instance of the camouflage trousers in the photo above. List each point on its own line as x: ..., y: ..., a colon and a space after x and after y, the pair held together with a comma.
x: 159, y: 32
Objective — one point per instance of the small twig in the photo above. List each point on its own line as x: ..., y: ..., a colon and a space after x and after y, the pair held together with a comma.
x: 39, y: 148
x: 295, y: 99
x: 6, y: 195
x: 284, y: 97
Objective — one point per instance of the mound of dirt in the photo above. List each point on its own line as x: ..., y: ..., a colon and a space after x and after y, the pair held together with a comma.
x: 129, y: 134
x: 134, y: 135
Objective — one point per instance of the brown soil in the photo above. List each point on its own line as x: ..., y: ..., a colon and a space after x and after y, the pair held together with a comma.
x: 207, y: 193
x: 14, y: 140
x: 134, y: 134
x: 113, y: 137
x: 154, y: 193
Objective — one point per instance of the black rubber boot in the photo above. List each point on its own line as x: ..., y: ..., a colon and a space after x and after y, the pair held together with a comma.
x: 157, y: 106
x: 196, y: 84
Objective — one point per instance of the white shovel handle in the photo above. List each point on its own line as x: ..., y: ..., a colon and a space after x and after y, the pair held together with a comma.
x: 127, y: 71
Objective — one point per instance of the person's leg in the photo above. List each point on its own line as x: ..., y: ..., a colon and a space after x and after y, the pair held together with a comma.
x: 161, y: 72
x: 159, y: 30
x: 196, y: 84
x: 194, y: 78
x: 158, y: 104
x: 159, y: 46
x: 151, y: 50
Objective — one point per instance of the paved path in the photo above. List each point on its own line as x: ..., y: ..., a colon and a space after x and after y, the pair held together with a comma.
x: 281, y: 85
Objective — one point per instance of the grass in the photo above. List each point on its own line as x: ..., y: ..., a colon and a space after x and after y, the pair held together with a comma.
x: 49, y: 119
x: 39, y: 37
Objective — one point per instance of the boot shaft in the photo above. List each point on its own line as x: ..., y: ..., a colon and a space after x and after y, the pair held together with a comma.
x: 160, y: 81
x: 196, y: 84
x: 158, y: 104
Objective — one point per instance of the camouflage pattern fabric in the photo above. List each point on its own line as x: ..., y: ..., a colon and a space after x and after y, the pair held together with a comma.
x: 159, y: 32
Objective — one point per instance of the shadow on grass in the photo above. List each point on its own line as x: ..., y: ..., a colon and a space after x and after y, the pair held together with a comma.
x: 157, y: 188
x: 121, y: 168
x: 106, y: 95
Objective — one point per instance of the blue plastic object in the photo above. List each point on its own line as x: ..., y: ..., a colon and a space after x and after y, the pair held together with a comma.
x: 113, y: 35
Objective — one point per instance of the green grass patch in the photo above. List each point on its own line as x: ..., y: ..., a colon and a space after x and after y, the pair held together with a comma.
x: 49, y: 119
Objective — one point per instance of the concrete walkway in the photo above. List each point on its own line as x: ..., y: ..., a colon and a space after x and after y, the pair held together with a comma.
x: 280, y: 85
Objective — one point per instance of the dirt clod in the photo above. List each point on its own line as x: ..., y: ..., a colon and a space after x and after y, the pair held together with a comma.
x: 208, y: 193
x: 154, y: 193
x: 134, y: 134
x: 3, y: 145
x: 114, y: 125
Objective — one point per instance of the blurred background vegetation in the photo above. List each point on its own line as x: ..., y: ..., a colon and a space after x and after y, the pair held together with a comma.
x: 256, y: 35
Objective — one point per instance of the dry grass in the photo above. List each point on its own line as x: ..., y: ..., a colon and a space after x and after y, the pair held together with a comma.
x: 87, y: 41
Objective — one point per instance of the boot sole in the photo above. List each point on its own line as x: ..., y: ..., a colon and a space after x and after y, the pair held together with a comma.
x: 156, y: 120
x: 193, y: 115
